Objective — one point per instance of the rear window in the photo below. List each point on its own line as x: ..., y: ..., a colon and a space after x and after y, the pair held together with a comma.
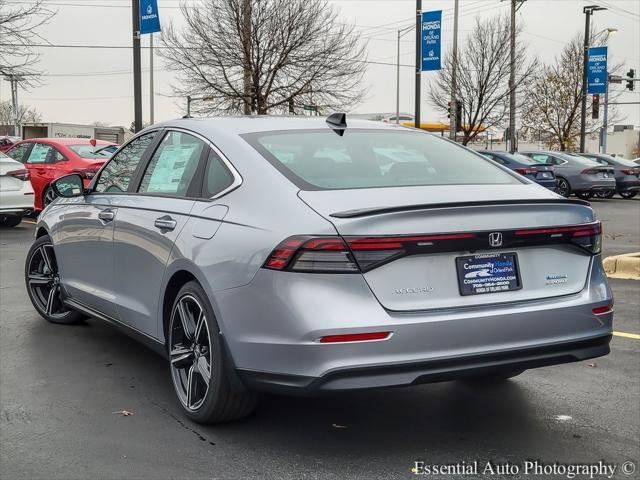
x: 578, y: 159
x: 88, y: 151
x: 523, y: 159
x: 624, y: 162
x: 323, y: 160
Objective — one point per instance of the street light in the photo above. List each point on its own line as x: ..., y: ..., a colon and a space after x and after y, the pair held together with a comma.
x: 401, y: 33
x: 588, y: 11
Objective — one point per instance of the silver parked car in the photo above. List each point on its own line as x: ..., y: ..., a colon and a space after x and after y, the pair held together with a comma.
x: 576, y: 174
x: 300, y: 255
x: 626, y: 172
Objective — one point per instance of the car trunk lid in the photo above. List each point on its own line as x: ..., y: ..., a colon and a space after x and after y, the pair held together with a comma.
x: 440, y: 229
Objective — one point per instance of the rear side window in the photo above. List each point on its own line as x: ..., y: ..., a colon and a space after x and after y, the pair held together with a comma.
x: 173, y: 165
x: 217, y: 177
x: 323, y: 160
x: 116, y: 176
x: 42, y: 153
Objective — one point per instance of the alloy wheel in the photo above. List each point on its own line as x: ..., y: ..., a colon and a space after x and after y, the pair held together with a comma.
x: 563, y: 187
x: 49, y: 196
x: 190, y: 352
x: 44, y: 282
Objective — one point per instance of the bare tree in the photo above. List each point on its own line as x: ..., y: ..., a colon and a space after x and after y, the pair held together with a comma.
x: 25, y: 114
x: 482, y: 77
x: 291, y: 53
x: 552, y: 107
x: 18, y: 33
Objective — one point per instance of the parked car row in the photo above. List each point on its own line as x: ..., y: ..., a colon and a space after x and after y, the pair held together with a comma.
x: 42, y: 160
x: 583, y: 174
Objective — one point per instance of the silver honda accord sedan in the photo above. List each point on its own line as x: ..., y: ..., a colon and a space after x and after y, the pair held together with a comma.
x: 310, y: 255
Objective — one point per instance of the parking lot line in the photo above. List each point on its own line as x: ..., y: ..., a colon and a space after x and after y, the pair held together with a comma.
x: 635, y: 336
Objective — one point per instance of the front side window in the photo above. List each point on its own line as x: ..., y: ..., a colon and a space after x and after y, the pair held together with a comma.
x: 323, y: 160
x: 116, y: 176
x: 19, y: 152
x: 173, y: 165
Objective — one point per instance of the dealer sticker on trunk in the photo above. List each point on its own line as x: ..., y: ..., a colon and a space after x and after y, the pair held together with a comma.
x: 488, y: 273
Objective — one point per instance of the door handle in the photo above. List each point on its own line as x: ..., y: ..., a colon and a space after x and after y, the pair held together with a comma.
x: 165, y: 223
x: 106, y: 215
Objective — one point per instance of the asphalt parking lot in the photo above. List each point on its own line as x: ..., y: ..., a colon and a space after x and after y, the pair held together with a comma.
x: 60, y: 389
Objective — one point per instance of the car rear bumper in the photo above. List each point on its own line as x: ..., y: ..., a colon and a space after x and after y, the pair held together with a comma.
x: 444, y: 369
x: 628, y: 185
x: 550, y: 184
x: 272, y: 326
x: 589, y: 185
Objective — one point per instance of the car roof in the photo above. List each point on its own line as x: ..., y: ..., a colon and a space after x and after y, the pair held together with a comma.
x: 69, y: 141
x: 265, y: 123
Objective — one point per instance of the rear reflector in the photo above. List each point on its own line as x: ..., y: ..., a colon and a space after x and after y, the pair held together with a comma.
x: 603, y: 309
x: 22, y: 174
x: 355, y: 337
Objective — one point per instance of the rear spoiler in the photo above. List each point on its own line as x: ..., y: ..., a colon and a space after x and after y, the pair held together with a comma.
x: 364, y: 212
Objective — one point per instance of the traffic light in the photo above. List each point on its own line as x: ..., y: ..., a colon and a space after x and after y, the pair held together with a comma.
x: 595, y: 105
x: 631, y: 74
x: 449, y: 110
x: 458, y: 115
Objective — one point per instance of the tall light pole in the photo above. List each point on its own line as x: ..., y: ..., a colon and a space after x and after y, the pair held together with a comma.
x: 588, y: 11
x: 453, y: 124
x: 401, y: 33
x: 137, y: 69
x: 418, y: 62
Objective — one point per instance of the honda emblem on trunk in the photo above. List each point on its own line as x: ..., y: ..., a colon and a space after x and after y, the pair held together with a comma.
x: 495, y: 239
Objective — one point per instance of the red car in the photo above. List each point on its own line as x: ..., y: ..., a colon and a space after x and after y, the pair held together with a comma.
x: 50, y: 158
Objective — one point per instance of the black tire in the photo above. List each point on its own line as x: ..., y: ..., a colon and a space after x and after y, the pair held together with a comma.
x: 584, y: 195
x: 606, y: 194
x: 10, y: 220
x: 211, y: 400
x: 628, y: 195
x: 48, y: 196
x: 563, y: 187
x: 43, y: 284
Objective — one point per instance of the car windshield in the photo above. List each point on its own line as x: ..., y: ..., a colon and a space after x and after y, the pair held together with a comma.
x: 89, y: 151
x: 322, y: 159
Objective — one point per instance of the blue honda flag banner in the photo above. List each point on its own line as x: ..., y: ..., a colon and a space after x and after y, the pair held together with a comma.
x: 431, y: 28
x: 149, y: 19
x: 597, y: 70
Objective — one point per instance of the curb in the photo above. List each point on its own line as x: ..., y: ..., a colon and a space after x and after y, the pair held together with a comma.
x: 626, y: 266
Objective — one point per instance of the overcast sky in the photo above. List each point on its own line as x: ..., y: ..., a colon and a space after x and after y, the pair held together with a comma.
x: 88, y: 85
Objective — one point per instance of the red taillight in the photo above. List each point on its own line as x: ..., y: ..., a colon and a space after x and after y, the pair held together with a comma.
x: 354, y: 254
x: 312, y: 254
x: 631, y: 171
x: 526, y: 171
x: 22, y: 174
x: 602, y: 310
x: 355, y: 337
x: 588, y: 236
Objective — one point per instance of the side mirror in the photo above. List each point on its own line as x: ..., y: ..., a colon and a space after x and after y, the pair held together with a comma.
x: 68, y: 186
